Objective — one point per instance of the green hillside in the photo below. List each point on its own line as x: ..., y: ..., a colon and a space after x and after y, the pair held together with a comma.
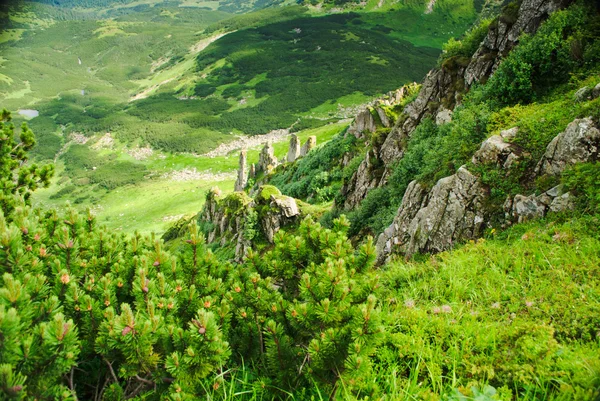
x: 179, y: 78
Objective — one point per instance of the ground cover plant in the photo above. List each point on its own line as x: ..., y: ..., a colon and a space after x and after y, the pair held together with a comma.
x: 89, y: 313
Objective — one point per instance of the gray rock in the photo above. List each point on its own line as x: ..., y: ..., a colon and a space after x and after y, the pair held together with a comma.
x: 361, y: 183
x: 454, y: 211
x: 504, y: 35
x: 583, y: 94
x: 495, y: 150
x: 509, y: 135
x: 397, y: 232
x: 267, y: 160
x: 596, y: 91
x: 294, y: 150
x: 363, y: 122
x: 252, y: 172
x: 242, y: 176
x: 286, y: 204
x: 562, y: 203
x: 527, y: 208
x: 282, y: 211
x: 310, y: 144
x: 443, y: 116
x: 383, y: 117
x: 579, y: 143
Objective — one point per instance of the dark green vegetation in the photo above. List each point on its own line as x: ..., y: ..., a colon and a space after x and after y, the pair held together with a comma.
x: 87, y: 313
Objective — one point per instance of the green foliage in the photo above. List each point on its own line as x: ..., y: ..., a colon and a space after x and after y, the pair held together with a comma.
x: 319, y: 174
x: 561, y: 45
x: 17, y: 177
x: 468, y: 44
x: 583, y: 180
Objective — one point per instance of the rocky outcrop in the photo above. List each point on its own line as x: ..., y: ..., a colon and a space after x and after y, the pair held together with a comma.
x: 309, y: 145
x: 522, y: 208
x: 496, y: 150
x: 443, y: 88
x: 267, y: 160
x: 227, y: 216
x: 456, y: 207
x: 294, y: 150
x: 361, y: 182
x: 363, y: 122
x: 504, y: 34
x: 237, y: 218
x: 443, y: 116
x: 278, y: 210
x: 580, y: 142
x: 242, y: 174
x: 452, y: 211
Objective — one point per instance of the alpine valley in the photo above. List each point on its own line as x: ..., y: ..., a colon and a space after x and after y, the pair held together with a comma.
x: 312, y: 200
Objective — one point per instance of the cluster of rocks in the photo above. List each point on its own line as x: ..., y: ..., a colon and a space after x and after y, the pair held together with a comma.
x: 372, y: 115
x: 440, y: 92
x: 455, y: 209
x: 231, y: 215
x: 267, y: 161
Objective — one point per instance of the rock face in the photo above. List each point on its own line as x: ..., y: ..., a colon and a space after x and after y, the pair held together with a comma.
x: 310, y: 144
x: 443, y: 116
x: 504, y: 35
x: 237, y: 213
x: 522, y: 208
x: 443, y: 87
x: 242, y: 175
x: 282, y: 210
x: 227, y: 216
x: 495, y: 150
x: 267, y: 160
x: 294, y: 150
x: 363, y: 122
x: 455, y: 208
x: 579, y: 143
x: 452, y: 211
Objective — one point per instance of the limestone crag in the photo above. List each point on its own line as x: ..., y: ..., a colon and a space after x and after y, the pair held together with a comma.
x: 456, y: 207
x: 242, y: 175
x: 504, y: 35
x: 267, y: 160
x: 374, y: 114
x: 522, y: 208
x: 237, y: 218
x: 580, y: 142
x: 309, y: 145
x: 452, y: 211
x: 443, y: 88
x: 294, y: 150
x: 496, y: 150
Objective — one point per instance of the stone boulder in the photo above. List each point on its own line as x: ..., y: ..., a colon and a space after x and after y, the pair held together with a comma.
x: 523, y: 208
x: 242, y: 175
x: 294, y: 150
x: 495, y: 150
x: 363, y: 122
x: 583, y: 94
x: 596, y: 91
x: 397, y: 232
x: 579, y: 143
x: 454, y: 210
x: 309, y: 145
x: 443, y: 116
x: 267, y: 160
